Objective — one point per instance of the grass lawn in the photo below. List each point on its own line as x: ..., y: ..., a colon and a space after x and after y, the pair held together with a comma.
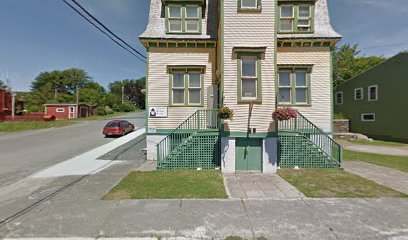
x: 171, y: 184
x: 333, y: 183
x: 396, y: 162
x: 378, y: 143
x: 93, y: 118
x: 31, y: 125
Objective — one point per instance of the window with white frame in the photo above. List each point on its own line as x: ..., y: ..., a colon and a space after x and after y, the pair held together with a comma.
x: 339, y: 98
x: 186, y: 88
x: 368, y: 117
x: 287, y: 18
x: 358, y: 94
x: 304, y: 18
x: 60, y: 110
x: 249, y: 4
x: 183, y: 18
x: 373, y: 93
x: 296, y: 17
x: 294, y: 85
x: 249, y: 78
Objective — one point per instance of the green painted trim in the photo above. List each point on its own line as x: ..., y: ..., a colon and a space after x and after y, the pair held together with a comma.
x: 186, y: 92
x: 296, y: 5
x: 331, y: 90
x: 292, y: 70
x: 258, y: 56
x: 147, y: 89
x: 167, y: 132
x: 184, y: 18
x: 249, y: 10
x: 251, y: 135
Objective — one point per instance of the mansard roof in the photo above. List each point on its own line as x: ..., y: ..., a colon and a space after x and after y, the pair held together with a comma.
x: 156, y: 25
x: 322, y: 25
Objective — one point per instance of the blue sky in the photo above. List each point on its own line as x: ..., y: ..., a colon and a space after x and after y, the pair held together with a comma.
x: 45, y: 35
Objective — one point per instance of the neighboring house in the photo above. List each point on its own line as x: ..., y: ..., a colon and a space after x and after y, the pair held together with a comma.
x: 375, y: 101
x: 68, y: 110
x: 205, y: 53
x: 6, y: 98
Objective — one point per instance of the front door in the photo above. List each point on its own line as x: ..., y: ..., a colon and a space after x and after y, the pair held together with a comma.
x: 71, y: 112
x: 248, y: 154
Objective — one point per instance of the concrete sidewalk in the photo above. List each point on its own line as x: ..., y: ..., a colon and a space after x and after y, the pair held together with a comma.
x: 388, y: 177
x: 79, y: 212
x: 383, y: 150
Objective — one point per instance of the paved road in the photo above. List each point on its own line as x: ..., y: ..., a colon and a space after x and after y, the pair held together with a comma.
x: 23, y: 154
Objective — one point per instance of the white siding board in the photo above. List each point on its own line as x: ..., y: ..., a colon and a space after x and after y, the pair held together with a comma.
x: 320, y: 110
x: 159, y: 87
x: 250, y: 30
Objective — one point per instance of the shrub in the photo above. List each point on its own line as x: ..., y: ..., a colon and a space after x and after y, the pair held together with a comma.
x: 282, y: 114
x: 124, y: 107
x: 108, y: 110
x: 100, y: 111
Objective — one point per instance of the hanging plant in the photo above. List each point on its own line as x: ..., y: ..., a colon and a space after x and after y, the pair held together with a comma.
x: 282, y: 114
x: 225, y: 113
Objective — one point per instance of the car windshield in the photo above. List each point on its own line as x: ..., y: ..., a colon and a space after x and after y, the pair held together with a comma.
x: 112, y: 124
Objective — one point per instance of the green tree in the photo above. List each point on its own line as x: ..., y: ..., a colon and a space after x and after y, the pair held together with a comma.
x: 348, y: 64
x: 2, y: 84
x: 60, y: 87
x: 133, y: 91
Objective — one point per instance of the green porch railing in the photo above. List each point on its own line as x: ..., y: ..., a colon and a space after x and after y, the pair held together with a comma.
x: 201, y: 121
x: 315, y: 135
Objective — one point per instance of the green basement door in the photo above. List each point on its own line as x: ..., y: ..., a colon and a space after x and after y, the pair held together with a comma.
x: 248, y: 154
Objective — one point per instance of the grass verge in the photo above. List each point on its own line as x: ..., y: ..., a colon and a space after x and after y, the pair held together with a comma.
x: 395, y: 162
x: 333, y: 183
x: 378, y: 143
x: 115, y: 114
x: 31, y: 125
x: 171, y: 184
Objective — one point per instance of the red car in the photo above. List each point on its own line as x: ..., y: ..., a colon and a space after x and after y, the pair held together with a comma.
x: 118, y: 128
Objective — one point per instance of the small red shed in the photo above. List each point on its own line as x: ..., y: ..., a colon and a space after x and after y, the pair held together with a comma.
x: 69, y: 110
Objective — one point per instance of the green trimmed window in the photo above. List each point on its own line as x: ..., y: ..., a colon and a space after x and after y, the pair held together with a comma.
x: 249, y: 5
x: 296, y: 17
x: 183, y: 18
x: 294, y: 86
x: 249, y: 77
x: 186, y: 88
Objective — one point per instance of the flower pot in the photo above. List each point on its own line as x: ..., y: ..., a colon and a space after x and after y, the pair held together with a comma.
x: 223, y: 116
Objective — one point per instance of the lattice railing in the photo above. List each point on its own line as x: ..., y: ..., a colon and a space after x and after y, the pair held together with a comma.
x: 200, y: 121
x: 320, y: 139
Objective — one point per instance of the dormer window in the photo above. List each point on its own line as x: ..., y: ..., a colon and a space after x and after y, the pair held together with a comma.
x: 296, y: 17
x: 183, y: 18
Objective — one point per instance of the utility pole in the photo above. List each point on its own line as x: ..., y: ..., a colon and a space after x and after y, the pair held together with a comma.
x: 13, y: 105
x: 123, y: 93
x: 77, y: 94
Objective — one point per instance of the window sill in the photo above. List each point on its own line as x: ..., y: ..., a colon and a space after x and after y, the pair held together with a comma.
x: 184, y: 33
x: 295, y: 32
x: 295, y: 105
x: 250, y: 10
x: 249, y: 101
x: 186, y: 106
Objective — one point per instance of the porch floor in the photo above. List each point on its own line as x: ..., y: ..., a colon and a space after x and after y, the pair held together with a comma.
x: 259, y: 186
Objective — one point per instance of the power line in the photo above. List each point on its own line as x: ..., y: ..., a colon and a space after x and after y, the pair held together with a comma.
x: 106, y: 28
x: 77, y: 11
x: 390, y: 45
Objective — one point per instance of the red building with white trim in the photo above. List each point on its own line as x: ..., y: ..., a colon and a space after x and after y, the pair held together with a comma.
x: 69, y: 110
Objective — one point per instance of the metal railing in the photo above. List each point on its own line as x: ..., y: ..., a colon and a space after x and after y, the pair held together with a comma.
x: 320, y: 139
x: 200, y: 121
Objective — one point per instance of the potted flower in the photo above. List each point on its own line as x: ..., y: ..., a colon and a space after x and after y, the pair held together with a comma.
x: 282, y: 114
x: 225, y: 113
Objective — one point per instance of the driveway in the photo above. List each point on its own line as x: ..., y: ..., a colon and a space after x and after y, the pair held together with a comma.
x: 25, y: 153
